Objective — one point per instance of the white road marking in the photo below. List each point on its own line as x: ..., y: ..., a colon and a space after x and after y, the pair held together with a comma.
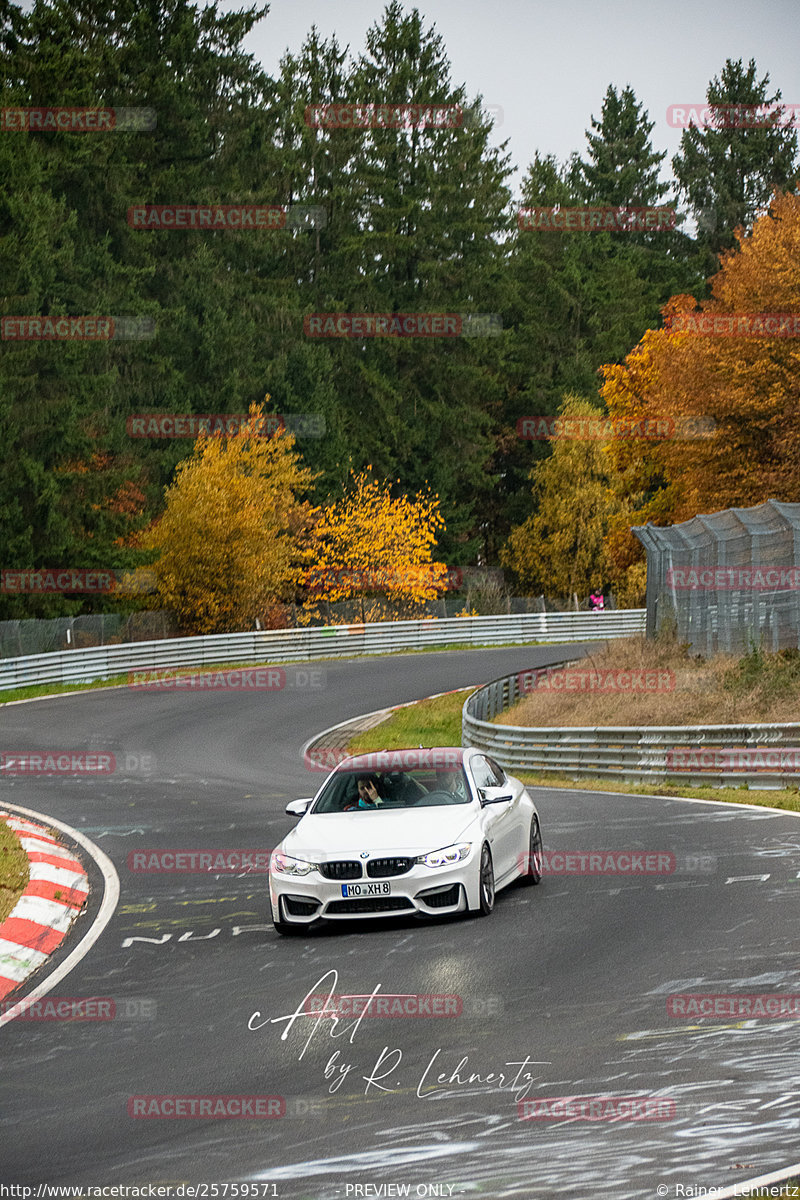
x: 107, y: 906
x: 747, y: 878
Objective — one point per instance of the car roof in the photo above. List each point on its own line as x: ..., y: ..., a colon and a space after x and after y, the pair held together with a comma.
x: 408, y: 759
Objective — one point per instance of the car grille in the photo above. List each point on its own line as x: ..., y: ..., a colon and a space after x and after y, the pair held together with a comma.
x: 340, y: 870
x: 384, y: 867
x: 372, y: 904
x: 441, y: 899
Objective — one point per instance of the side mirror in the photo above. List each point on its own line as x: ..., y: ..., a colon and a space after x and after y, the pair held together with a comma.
x: 298, y: 808
x: 494, y: 795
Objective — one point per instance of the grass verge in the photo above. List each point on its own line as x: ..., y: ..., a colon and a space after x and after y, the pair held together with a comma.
x: 431, y: 722
x: 438, y: 723
x: 58, y: 689
x: 14, y: 870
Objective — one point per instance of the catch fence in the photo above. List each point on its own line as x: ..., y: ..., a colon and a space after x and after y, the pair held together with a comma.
x: 726, y: 581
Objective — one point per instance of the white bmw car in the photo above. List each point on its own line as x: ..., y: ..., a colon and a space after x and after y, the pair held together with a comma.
x: 424, y: 832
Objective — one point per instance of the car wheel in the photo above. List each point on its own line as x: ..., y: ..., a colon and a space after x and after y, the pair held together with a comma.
x: 486, y: 883
x: 533, y: 874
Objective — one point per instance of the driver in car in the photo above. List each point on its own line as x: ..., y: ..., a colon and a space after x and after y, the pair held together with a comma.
x: 368, y: 794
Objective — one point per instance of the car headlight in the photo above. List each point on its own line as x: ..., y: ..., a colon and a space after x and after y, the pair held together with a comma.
x: 446, y: 857
x: 284, y: 865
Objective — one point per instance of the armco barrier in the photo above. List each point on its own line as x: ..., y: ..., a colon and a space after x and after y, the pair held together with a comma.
x: 333, y: 641
x: 630, y: 754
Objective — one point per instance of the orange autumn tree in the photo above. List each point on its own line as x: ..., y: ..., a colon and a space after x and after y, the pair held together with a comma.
x: 370, y: 544
x: 732, y: 401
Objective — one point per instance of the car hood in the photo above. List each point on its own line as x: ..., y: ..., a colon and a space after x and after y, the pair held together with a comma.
x: 407, y: 832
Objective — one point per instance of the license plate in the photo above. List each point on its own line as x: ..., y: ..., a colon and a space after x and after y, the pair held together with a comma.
x: 366, y: 889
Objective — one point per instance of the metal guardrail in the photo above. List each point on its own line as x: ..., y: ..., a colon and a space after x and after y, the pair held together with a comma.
x: 333, y: 641
x: 716, y: 755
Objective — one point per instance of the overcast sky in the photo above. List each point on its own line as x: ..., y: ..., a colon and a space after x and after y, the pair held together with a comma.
x: 547, y: 64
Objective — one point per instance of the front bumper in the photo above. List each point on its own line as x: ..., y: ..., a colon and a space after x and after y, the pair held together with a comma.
x: 422, y: 891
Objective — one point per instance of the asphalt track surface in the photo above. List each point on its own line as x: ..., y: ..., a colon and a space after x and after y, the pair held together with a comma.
x: 571, y: 976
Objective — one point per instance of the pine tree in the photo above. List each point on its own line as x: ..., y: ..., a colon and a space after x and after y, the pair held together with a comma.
x: 728, y: 171
x: 582, y: 299
x: 621, y: 167
x: 430, y: 205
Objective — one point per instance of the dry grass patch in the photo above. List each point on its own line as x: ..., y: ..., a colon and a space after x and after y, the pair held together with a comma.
x: 678, y: 688
x: 14, y: 870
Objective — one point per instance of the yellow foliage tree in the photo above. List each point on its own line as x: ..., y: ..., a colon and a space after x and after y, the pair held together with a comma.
x: 369, y: 544
x: 560, y: 549
x: 233, y: 539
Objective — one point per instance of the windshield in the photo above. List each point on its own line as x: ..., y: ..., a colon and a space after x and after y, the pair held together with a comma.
x: 360, y: 791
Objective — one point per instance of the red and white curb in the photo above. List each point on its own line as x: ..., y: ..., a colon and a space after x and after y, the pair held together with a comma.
x: 56, y: 893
